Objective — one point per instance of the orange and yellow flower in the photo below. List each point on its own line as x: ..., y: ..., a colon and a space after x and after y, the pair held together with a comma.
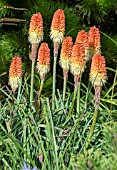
x: 58, y: 26
x: 94, y: 39
x: 15, y: 73
x: 98, y: 74
x: 77, y: 60
x: 43, y: 61
x: 66, y: 52
x: 36, y: 29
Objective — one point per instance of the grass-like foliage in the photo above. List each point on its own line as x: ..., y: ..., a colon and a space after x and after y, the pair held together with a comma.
x: 77, y: 131
x: 52, y: 140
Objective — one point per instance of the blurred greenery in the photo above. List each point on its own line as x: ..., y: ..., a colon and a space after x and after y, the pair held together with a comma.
x: 11, y: 45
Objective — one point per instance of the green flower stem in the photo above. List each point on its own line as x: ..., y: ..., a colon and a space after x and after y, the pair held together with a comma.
x: 12, y: 110
x: 41, y: 87
x: 56, y: 46
x: 73, y: 102
x: 75, y: 94
x: 92, y: 128
x: 19, y: 93
x: 24, y: 139
x: 32, y: 81
x: 78, y: 99
x: 97, y: 101
x: 65, y: 74
x: 64, y: 88
x: 54, y: 84
x: 33, y: 58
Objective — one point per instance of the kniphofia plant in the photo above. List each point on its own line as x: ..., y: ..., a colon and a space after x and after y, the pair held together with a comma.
x: 35, y: 37
x: 65, y: 55
x: 43, y: 64
x: 98, y: 77
x: 77, y: 67
x: 57, y: 35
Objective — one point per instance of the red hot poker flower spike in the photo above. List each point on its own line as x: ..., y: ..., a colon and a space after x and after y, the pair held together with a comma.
x: 43, y: 61
x: 77, y: 60
x: 98, y: 74
x: 36, y: 29
x: 15, y: 73
x: 58, y: 26
x: 94, y: 39
x: 82, y: 38
x: 66, y: 52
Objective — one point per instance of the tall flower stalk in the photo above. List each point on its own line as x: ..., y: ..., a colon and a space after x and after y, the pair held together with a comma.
x: 43, y: 64
x: 98, y: 77
x: 57, y: 35
x: 65, y: 55
x: 77, y: 67
x: 35, y: 37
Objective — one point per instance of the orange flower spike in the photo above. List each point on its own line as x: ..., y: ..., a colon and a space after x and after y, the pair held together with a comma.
x: 58, y: 26
x: 77, y: 60
x: 91, y: 36
x: 98, y: 74
x: 82, y: 37
x: 43, y: 61
x: 36, y: 29
x: 66, y: 52
x: 97, y: 45
x: 94, y: 39
x: 15, y: 73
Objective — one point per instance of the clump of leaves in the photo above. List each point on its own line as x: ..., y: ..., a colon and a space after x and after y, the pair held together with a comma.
x: 91, y: 10
x: 94, y: 10
x: 104, y: 157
